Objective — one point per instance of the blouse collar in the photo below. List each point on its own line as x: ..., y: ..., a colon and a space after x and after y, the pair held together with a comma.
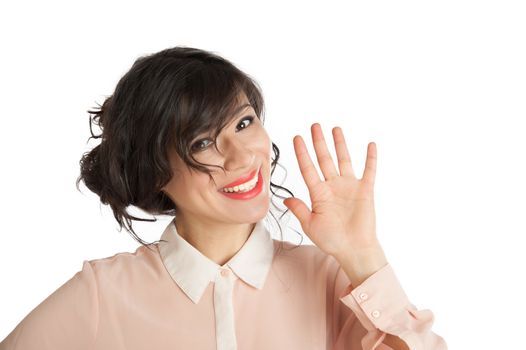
x: 193, y: 271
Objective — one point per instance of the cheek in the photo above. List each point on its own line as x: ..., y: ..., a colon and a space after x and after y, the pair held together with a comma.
x: 187, y: 182
x: 197, y: 181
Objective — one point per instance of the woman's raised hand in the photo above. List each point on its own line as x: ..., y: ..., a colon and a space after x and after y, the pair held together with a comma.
x: 342, y: 221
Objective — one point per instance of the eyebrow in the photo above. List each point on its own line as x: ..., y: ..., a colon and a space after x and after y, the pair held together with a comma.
x: 240, y: 108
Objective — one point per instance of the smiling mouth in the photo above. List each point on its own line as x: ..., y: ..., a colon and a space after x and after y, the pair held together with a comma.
x: 244, y: 186
x: 247, y: 193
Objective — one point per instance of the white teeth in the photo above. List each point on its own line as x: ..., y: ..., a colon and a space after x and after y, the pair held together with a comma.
x: 247, y: 186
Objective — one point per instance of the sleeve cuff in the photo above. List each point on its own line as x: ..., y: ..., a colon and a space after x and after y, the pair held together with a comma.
x: 377, y: 300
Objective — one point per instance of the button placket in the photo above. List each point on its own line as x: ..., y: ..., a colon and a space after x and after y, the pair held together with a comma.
x: 224, y: 312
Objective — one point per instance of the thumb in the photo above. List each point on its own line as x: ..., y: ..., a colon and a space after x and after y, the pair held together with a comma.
x: 300, y: 211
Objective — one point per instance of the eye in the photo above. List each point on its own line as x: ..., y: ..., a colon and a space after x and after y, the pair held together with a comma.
x: 249, y: 118
x: 196, y: 146
x: 200, y: 145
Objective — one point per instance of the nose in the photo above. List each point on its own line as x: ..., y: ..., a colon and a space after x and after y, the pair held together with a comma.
x: 237, y: 156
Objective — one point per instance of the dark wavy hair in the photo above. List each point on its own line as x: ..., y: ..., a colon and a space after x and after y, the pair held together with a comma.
x: 162, y: 103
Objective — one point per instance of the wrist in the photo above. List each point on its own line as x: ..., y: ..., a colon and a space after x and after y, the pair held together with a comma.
x: 360, y: 265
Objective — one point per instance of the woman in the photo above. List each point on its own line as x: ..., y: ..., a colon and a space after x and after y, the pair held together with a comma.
x: 183, y: 135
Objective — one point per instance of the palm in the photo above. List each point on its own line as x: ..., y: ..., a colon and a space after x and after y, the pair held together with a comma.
x: 343, y: 212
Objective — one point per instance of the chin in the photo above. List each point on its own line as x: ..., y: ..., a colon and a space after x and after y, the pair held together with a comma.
x: 254, y: 214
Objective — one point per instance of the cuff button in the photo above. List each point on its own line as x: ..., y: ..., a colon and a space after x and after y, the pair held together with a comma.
x: 376, y: 313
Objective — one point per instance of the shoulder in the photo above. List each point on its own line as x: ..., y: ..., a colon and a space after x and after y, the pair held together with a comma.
x: 305, y: 256
x: 124, y: 266
x: 306, y: 268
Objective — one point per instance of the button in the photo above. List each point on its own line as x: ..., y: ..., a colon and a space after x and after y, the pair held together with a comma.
x: 364, y: 296
x: 224, y: 272
x: 376, y: 313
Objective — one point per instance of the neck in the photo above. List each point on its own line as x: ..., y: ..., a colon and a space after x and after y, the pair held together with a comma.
x: 218, y: 241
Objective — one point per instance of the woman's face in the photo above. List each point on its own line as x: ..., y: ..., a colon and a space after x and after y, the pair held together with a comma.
x: 244, y: 149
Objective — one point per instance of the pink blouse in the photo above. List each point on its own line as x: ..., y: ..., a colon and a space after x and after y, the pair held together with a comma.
x: 173, y: 297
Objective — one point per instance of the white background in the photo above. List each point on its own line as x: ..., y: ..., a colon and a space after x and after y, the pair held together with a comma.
x: 439, y: 86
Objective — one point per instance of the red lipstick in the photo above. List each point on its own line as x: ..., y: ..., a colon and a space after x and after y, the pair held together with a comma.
x: 242, y: 179
x: 246, y: 195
